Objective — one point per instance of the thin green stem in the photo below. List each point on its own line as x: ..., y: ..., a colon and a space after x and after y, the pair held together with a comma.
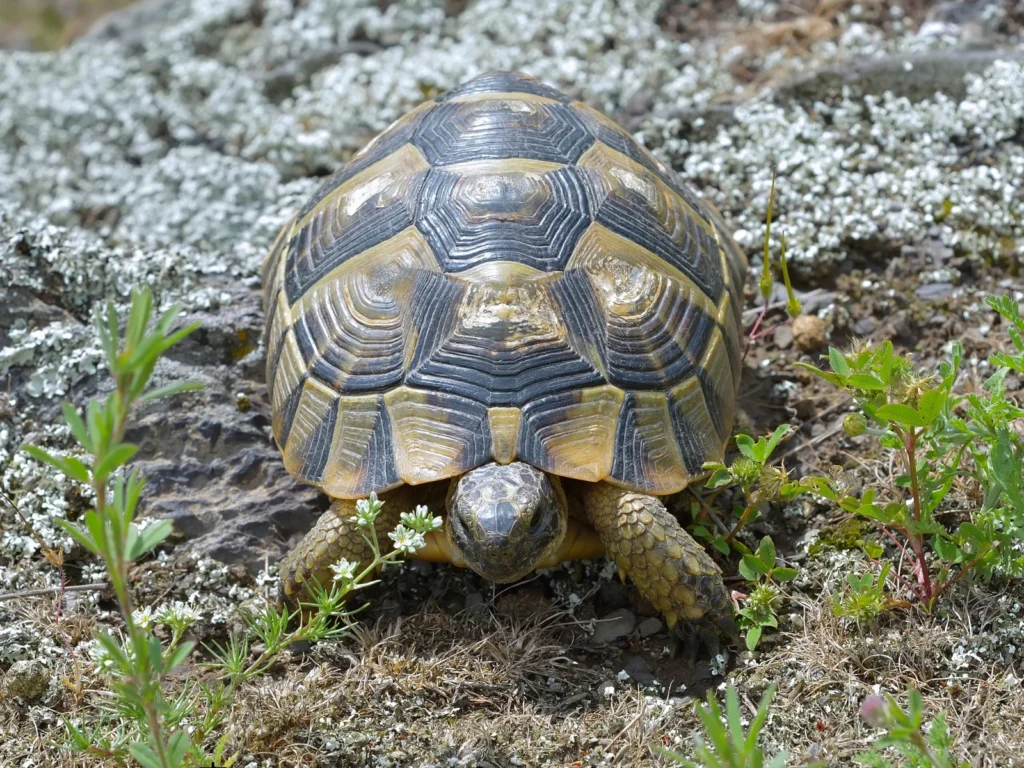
x: 751, y: 506
x: 924, y: 578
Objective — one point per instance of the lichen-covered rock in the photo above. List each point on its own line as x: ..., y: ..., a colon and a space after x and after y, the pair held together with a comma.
x: 27, y: 679
x: 168, y: 146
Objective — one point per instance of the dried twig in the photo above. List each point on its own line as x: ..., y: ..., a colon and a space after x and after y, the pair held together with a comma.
x: 98, y: 587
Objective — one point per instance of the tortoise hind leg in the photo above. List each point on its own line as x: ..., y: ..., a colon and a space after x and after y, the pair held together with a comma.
x: 650, y: 546
x: 336, y: 536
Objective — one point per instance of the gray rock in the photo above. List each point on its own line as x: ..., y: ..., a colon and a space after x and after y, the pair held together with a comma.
x: 865, y: 326
x: 934, y: 291
x: 615, y: 625
x: 210, y: 465
x: 639, y: 671
x: 916, y: 76
x: 650, y: 626
x: 27, y: 679
x: 783, y: 336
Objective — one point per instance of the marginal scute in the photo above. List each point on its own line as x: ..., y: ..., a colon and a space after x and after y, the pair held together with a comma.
x: 647, y: 454
x: 716, y: 381
x: 273, y: 337
x: 694, y: 429
x: 289, y: 376
x: 311, y: 436
x: 436, y: 435
x: 270, y: 271
x: 572, y: 434
x: 731, y: 325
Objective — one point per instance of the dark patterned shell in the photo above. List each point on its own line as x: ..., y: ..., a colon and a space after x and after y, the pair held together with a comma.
x: 502, y: 275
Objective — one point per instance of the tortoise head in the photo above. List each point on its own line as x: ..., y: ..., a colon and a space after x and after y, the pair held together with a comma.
x: 504, y: 520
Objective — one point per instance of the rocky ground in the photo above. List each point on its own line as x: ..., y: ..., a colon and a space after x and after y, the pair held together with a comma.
x: 168, y: 145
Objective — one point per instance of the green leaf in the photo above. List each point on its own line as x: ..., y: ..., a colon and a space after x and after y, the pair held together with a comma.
x: 753, y: 636
x: 116, y: 457
x: 69, y: 465
x: 837, y: 362
x: 719, y: 478
x: 97, y: 530
x: 766, y: 552
x: 171, y: 389
x: 901, y: 414
x: 700, y: 530
x: 79, y: 534
x: 946, y: 550
x: 784, y: 574
x: 930, y: 405
x: 146, y: 540
x: 177, y: 746
x: 721, y: 545
x: 177, y: 657
x: 751, y: 567
x: 865, y: 381
x: 780, y: 432
x: 832, y: 378
x: 144, y: 756
x: 138, y: 317
x: 77, y: 425
x: 745, y: 444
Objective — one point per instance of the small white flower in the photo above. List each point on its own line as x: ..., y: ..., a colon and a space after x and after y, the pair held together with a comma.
x: 177, y: 614
x: 143, y: 617
x: 406, y: 540
x: 101, y: 658
x: 344, y: 570
x: 367, y: 511
x: 421, y: 521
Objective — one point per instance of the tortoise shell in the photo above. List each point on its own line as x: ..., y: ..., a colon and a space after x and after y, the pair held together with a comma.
x: 502, y: 275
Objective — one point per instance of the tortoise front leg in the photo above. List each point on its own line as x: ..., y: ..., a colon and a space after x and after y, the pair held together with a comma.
x: 336, y: 536
x: 650, y: 546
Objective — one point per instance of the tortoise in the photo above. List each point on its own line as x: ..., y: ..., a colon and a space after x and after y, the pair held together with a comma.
x: 507, y: 305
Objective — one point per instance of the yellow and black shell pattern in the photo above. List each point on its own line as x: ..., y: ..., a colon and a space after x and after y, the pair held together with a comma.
x: 502, y: 275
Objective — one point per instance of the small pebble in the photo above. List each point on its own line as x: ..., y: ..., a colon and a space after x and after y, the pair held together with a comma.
x: 639, y: 670
x: 783, y: 336
x: 614, y: 626
x: 809, y: 333
x: 651, y: 626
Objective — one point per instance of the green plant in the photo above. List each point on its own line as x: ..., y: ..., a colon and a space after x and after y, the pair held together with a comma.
x: 109, y: 530
x: 760, y: 483
x: 939, y: 437
x: 759, y: 608
x: 143, y: 721
x: 865, y: 597
x: 767, y: 279
x: 905, y: 734
x: 726, y: 745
